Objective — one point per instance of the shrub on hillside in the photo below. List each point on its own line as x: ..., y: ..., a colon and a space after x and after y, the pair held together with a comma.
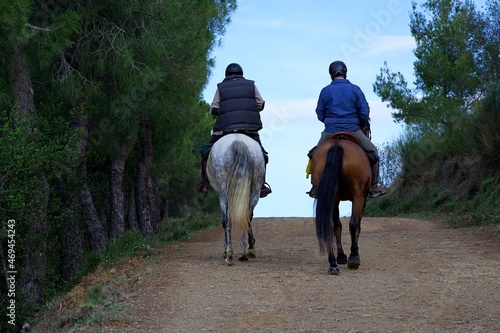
x: 487, y: 122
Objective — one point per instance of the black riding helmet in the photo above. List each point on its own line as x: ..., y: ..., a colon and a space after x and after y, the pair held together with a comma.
x: 234, y: 69
x: 337, y: 68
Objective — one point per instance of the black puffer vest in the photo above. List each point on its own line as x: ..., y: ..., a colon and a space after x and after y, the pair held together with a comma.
x: 238, y: 108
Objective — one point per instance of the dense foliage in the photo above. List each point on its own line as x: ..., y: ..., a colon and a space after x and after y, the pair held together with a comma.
x: 449, y: 152
x: 101, y: 119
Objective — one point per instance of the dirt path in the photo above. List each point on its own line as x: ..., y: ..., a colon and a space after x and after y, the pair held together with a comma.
x: 415, y: 276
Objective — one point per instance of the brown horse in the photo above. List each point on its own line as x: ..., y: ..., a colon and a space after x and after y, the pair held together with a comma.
x: 341, y: 171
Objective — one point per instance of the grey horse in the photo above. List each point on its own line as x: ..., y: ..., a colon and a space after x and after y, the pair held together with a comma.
x: 236, y: 170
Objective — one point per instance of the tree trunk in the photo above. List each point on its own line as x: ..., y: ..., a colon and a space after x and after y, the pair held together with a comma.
x: 154, y: 204
x: 72, y: 238
x: 146, y: 192
x: 72, y: 242
x: 132, y: 223
x: 117, y: 199
x: 164, y: 209
x: 33, y: 261
x: 141, y: 203
x: 116, y: 193
x: 20, y: 81
x: 34, y: 255
x: 95, y: 230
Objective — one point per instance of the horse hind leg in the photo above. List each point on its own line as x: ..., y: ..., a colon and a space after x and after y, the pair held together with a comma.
x: 244, y: 248
x: 228, y: 247
x: 249, y: 253
x: 341, y: 256
x: 354, y: 260
x: 337, y: 229
x: 334, y: 268
x: 251, y: 243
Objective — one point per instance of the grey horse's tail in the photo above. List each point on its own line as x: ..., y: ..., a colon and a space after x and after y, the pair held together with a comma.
x: 239, y: 187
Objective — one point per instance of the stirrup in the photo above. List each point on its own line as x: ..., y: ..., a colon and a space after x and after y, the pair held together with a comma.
x: 312, y: 192
x: 265, y: 190
x: 202, y: 189
x: 377, y: 191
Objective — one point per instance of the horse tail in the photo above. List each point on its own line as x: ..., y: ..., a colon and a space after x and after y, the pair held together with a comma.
x: 327, y: 192
x: 239, y: 185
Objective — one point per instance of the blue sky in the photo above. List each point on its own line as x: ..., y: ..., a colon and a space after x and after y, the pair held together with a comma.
x: 286, y: 47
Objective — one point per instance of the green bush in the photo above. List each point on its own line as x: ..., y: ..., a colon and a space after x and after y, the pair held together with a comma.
x: 439, y: 173
x: 487, y: 125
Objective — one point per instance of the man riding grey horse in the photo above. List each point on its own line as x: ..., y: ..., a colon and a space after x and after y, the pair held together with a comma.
x: 237, y: 104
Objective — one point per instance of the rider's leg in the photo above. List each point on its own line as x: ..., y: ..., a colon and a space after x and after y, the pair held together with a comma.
x: 372, y: 153
x: 205, y: 183
x: 324, y: 136
x: 266, y: 188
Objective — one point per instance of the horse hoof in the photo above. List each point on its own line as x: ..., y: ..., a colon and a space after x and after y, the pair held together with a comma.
x: 229, y: 261
x: 334, y: 270
x: 353, y: 262
x: 341, y: 259
x: 251, y: 255
x: 353, y: 265
x: 243, y: 258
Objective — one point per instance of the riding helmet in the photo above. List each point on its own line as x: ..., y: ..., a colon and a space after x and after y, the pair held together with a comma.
x: 337, y: 68
x: 234, y: 69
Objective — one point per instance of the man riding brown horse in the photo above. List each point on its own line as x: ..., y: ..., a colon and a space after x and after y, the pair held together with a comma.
x: 342, y: 107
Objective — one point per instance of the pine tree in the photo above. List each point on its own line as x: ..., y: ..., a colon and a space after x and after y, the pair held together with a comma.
x: 100, y: 102
x: 450, y: 56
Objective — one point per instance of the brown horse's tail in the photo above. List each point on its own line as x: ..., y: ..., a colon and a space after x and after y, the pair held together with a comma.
x: 327, y: 192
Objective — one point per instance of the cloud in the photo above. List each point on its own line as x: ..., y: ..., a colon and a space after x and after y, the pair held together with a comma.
x: 289, y: 111
x: 286, y: 118
x: 384, y: 129
x: 393, y: 45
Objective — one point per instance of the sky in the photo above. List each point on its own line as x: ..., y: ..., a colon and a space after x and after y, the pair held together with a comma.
x: 286, y: 48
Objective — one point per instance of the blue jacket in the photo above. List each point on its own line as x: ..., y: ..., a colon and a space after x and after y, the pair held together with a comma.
x: 342, y: 107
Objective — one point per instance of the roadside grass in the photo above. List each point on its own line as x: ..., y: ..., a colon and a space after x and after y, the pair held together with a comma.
x: 451, y: 175
x: 102, y: 301
x: 477, y: 205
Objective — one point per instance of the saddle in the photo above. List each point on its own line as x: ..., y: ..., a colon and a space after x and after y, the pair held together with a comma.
x: 344, y: 135
x: 334, y: 136
x: 205, y: 151
x: 350, y: 137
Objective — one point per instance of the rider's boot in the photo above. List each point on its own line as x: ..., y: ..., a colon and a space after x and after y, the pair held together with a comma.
x: 376, y: 190
x: 205, y: 183
x: 312, y: 192
x: 265, y: 190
